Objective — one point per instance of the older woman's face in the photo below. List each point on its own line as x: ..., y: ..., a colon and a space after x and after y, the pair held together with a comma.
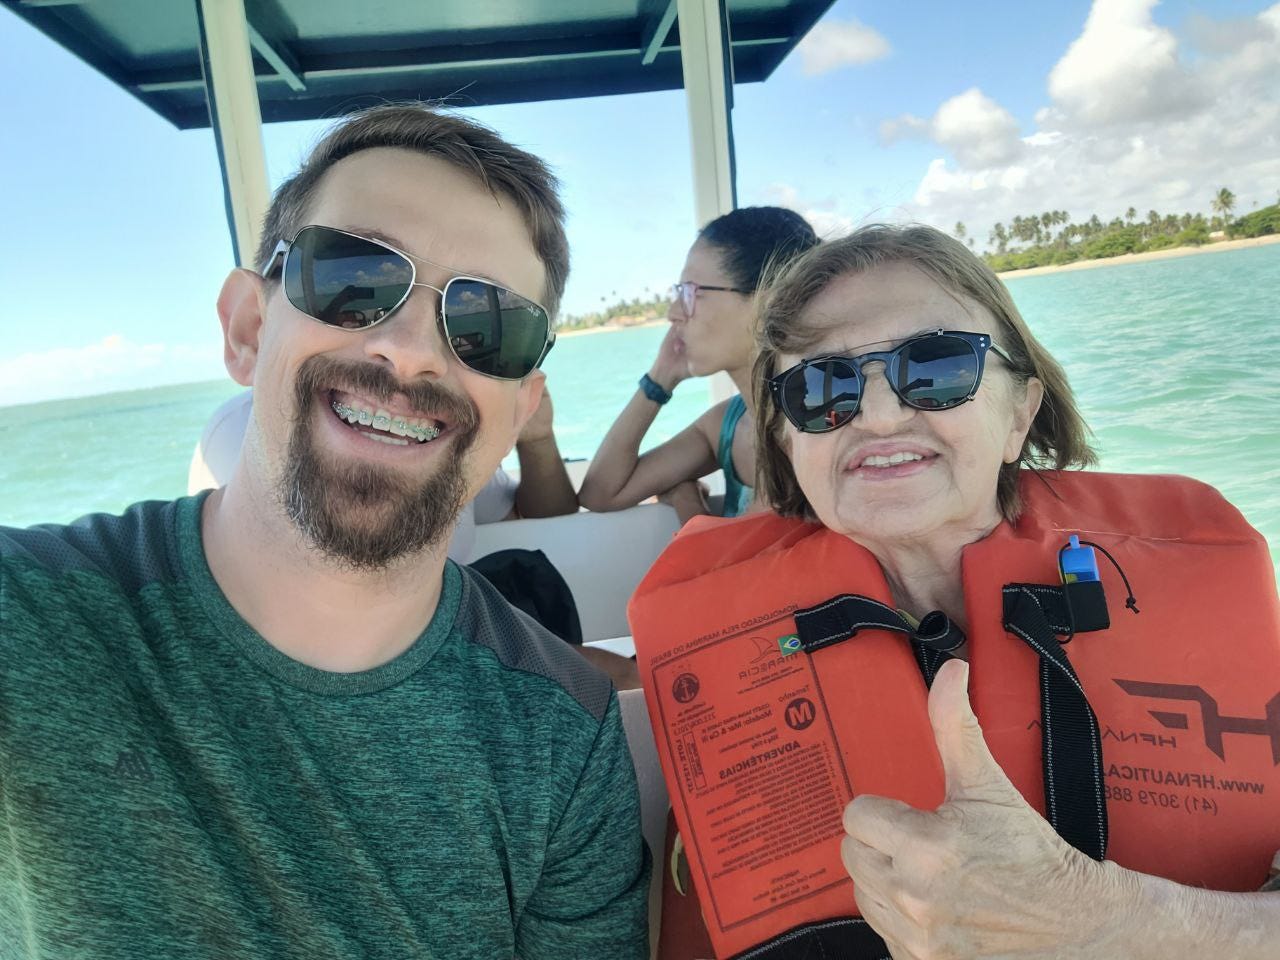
x: 947, y: 486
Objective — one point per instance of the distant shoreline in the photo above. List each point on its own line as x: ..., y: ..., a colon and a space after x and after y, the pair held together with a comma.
x: 1165, y: 254
x: 605, y: 327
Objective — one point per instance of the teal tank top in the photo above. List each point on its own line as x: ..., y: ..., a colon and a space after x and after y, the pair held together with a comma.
x: 737, y: 495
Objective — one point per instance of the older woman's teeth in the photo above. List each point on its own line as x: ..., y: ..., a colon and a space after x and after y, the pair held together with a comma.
x: 421, y: 430
x: 892, y: 460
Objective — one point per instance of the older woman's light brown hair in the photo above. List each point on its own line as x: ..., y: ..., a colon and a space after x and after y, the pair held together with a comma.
x: 1058, y: 437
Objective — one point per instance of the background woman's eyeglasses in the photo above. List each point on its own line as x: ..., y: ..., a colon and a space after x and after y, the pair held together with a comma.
x: 349, y: 281
x: 935, y: 371
x: 687, y: 293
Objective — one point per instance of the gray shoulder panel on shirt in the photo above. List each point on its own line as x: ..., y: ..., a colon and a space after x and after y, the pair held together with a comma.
x: 133, y: 549
x: 521, y: 643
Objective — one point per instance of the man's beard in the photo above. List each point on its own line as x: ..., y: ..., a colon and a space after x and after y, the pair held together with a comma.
x: 362, y: 515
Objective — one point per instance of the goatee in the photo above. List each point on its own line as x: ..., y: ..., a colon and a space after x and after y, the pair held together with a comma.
x: 361, y: 515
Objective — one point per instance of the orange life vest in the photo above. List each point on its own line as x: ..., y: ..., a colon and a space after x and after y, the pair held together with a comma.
x: 762, y: 745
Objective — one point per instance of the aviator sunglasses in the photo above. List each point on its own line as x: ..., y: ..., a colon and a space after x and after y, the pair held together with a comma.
x: 352, y: 282
x: 934, y: 371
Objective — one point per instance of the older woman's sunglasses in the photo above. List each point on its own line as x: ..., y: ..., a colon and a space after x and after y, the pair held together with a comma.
x: 352, y: 282
x: 935, y: 371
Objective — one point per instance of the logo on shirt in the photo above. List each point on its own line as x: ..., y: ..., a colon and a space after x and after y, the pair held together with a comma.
x: 132, y: 765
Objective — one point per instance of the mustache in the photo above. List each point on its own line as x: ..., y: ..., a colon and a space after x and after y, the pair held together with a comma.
x: 378, y: 383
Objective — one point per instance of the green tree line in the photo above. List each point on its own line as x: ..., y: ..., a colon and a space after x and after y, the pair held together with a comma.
x: 636, y: 310
x: 1051, y: 237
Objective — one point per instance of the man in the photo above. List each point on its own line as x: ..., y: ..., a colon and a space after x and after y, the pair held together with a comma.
x: 274, y: 722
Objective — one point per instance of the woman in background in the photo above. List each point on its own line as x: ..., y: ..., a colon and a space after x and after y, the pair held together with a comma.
x: 711, y: 316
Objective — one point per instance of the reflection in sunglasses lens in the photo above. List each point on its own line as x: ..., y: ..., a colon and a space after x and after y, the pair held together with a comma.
x: 342, y: 280
x: 935, y: 373
x: 492, y: 330
x: 826, y: 393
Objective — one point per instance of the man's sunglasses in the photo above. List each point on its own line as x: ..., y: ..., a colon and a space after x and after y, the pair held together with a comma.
x: 353, y: 282
x: 687, y: 293
x: 935, y: 371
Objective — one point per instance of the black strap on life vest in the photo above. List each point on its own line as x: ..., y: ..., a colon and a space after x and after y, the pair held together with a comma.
x: 843, y: 616
x: 848, y: 938
x: 1070, y: 740
x: 1036, y: 613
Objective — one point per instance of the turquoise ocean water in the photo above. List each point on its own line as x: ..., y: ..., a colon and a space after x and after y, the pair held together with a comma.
x: 1176, y: 364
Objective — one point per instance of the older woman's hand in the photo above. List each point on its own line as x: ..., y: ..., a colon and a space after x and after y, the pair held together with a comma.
x: 984, y: 875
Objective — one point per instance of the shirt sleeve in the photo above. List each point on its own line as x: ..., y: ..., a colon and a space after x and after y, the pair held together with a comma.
x: 496, y: 498
x: 592, y: 898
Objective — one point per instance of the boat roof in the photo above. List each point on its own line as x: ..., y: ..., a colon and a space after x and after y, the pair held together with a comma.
x: 317, y: 59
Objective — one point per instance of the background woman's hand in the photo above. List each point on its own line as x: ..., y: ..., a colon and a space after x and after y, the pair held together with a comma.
x: 984, y: 875
x: 671, y: 365
x: 540, y: 426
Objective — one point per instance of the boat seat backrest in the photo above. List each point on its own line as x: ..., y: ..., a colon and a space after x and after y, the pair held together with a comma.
x: 602, y: 556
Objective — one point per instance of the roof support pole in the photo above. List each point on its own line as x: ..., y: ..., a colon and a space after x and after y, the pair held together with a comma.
x: 707, y: 59
x: 232, y: 94
x: 708, y: 87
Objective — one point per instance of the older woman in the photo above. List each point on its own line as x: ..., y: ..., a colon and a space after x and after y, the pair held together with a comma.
x: 1117, y: 764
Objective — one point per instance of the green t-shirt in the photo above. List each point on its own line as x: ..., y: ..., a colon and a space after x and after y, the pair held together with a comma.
x: 173, y: 786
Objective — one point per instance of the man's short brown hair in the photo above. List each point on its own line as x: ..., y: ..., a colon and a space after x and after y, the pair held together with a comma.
x: 504, y: 169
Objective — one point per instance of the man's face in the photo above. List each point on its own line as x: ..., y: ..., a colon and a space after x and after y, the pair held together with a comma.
x: 363, y: 496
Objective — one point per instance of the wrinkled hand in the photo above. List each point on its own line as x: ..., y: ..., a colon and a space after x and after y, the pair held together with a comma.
x: 538, y: 427
x: 982, y: 876
x: 671, y: 366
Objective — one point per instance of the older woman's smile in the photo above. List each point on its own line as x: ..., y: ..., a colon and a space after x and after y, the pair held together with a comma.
x: 889, y: 461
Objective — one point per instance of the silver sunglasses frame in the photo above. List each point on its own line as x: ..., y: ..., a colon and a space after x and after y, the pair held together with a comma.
x: 279, y: 257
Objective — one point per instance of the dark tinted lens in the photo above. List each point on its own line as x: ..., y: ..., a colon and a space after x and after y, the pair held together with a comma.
x: 822, y: 396
x: 492, y: 330
x: 343, y: 280
x: 934, y: 373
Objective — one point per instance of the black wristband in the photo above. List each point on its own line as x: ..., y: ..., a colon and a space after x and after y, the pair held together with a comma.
x: 653, y: 390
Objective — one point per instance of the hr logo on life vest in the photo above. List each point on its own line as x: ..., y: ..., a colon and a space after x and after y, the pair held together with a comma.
x: 1215, y: 724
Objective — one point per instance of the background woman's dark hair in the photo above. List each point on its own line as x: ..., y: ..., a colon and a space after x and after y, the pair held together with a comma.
x: 1058, y: 437
x: 752, y: 240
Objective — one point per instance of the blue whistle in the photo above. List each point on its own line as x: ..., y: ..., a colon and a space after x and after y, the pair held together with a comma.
x: 1078, y: 563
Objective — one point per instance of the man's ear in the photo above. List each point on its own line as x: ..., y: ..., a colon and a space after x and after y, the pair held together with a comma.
x: 241, y: 306
x: 529, y: 397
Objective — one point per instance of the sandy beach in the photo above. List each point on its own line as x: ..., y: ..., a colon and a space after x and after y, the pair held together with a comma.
x: 606, y: 327
x: 1150, y: 255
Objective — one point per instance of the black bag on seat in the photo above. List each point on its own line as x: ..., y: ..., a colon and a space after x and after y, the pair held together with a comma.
x: 530, y: 582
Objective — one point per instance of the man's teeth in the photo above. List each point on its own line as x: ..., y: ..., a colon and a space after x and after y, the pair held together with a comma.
x: 418, y: 429
x: 892, y: 460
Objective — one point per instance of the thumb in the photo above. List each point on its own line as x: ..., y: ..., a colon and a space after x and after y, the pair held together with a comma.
x: 971, y: 771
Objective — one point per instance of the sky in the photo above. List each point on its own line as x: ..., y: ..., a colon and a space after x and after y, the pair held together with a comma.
x: 920, y: 110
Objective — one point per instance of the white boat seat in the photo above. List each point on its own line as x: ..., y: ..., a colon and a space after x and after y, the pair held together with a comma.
x: 602, y: 556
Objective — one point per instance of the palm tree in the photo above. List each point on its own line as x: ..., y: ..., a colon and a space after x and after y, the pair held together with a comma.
x: 1223, y: 201
x: 999, y: 237
x: 1130, y: 214
x: 960, y: 231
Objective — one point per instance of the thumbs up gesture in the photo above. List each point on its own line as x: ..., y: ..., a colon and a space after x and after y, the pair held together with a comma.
x: 984, y: 875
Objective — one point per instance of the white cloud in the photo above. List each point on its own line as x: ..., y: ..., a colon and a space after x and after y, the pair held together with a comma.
x: 976, y: 129
x: 906, y: 127
x: 1191, y: 124
x: 834, y: 44
x: 113, y: 363
x: 824, y: 215
x: 1122, y: 68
